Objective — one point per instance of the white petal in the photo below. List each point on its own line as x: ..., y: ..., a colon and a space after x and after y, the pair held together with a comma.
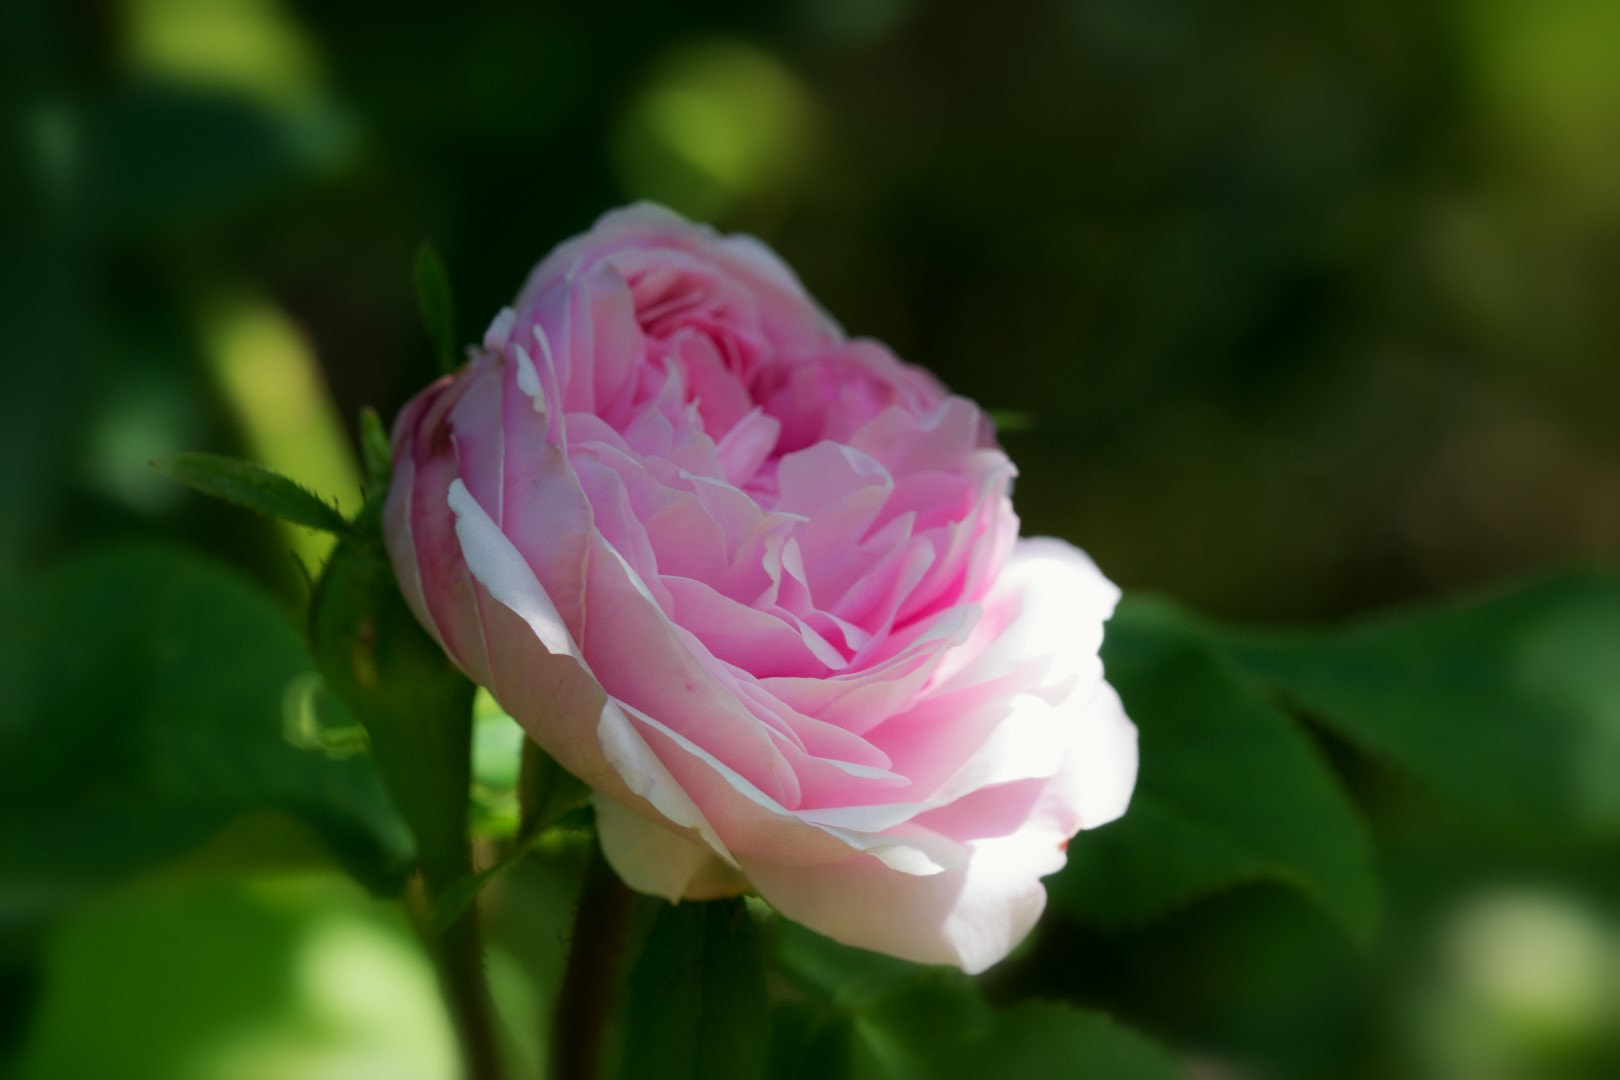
x: 652, y: 859
x: 500, y: 568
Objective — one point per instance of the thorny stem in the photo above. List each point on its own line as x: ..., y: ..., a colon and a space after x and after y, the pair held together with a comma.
x: 461, y: 968
x: 590, y: 979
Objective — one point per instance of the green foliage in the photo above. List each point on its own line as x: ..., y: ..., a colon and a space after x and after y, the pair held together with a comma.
x: 1039, y: 1039
x: 1507, y: 707
x: 211, y: 977
x: 1308, y: 305
x: 437, y: 306
x: 417, y: 712
x: 697, y: 1007
x: 551, y: 796
x: 547, y: 792
x: 153, y: 696
x: 415, y: 706
x: 938, y: 1029
x: 864, y: 1017
x: 375, y: 452
x: 457, y: 896
x: 840, y: 975
x: 1231, y: 790
x: 254, y: 487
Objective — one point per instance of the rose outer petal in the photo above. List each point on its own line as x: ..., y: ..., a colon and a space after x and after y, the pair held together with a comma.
x: 970, y: 917
x: 650, y: 858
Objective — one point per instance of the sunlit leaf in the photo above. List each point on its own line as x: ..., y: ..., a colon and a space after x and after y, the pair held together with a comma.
x: 211, y: 977
x: 254, y: 487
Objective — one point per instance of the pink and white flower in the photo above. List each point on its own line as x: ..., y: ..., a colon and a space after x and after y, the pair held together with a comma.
x: 760, y: 586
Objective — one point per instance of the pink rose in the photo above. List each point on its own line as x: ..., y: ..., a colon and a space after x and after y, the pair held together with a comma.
x: 761, y: 587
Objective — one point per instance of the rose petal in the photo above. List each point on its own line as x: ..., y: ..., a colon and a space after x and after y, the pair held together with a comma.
x: 646, y: 661
x: 971, y: 916
x: 654, y: 860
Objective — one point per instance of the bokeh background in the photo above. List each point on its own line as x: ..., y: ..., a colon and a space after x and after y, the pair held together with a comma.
x: 1289, y: 312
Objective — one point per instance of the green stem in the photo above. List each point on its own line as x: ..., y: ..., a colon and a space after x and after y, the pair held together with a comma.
x: 546, y: 791
x: 417, y: 711
x: 534, y: 789
x: 591, y: 977
x: 460, y: 956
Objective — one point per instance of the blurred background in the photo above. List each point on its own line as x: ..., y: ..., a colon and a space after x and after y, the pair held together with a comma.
x: 1289, y: 312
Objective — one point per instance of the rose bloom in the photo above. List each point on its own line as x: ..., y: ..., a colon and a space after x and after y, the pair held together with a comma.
x: 760, y: 585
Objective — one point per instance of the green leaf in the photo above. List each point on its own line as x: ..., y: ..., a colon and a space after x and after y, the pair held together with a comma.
x: 938, y: 1028
x: 922, y: 1028
x: 850, y: 978
x: 154, y: 693
x: 375, y: 452
x: 1230, y: 790
x: 557, y: 797
x: 867, y: 1017
x: 415, y: 706
x: 437, y: 306
x: 573, y: 816
x: 697, y: 1003
x: 810, y: 1042
x: 214, y: 977
x: 550, y: 794
x: 1040, y: 1039
x: 1507, y: 707
x: 547, y: 791
x: 459, y: 895
x: 254, y: 487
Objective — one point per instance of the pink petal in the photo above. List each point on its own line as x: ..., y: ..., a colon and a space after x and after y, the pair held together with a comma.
x: 645, y: 661
x: 969, y: 917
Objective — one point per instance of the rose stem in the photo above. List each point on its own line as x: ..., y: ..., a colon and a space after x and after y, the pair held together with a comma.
x: 461, y: 966
x: 586, y: 998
